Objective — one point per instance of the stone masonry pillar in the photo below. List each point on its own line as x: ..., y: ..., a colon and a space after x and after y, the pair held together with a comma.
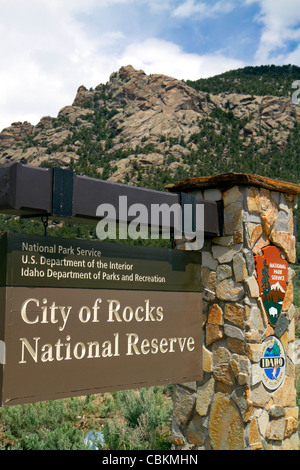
x: 241, y: 403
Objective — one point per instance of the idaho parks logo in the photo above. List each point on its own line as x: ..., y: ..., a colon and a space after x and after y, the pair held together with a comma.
x: 272, y: 272
x: 272, y: 363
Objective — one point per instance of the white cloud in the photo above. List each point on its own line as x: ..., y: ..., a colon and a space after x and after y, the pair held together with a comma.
x: 281, y: 26
x: 45, y: 55
x: 158, y: 56
x: 189, y: 8
x: 47, y: 51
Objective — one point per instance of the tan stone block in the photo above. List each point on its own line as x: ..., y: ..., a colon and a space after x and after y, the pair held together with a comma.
x: 177, y: 437
x: 284, y: 340
x: 238, y: 364
x: 221, y: 355
x: 256, y: 373
x: 208, y: 278
x: 256, y: 320
x: 256, y: 232
x: 285, y: 395
x: 215, y: 315
x: 253, y: 288
x: 229, y: 290
x: 265, y: 198
x: 232, y: 195
x: 290, y: 198
x: 236, y: 345
x: 207, y: 360
x: 235, y: 313
x: 204, y: 397
x: 286, y: 242
x: 276, y: 429
x: 262, y: 421
x: 208, y: 295
x: 225, y: 254
x: 226, y: 429
x: 223, y: 272
x: 291, y: 426
x: 261, y: 243
x: 223, y: 388
x: 294, y: 441
x: 292, y: 312
x: 248, y: 411
x: 253, y: 351
x: 292, y: 412
x: 213, y: 333
x: 212, y: 194
x: 253, y: 336
x: 238, y: 236
x: 233, y: 218
x: 291, y: 221
x: 291, y: 275
x: 288, y: 297
x: 254, y: 436
x: 259, y: 396
x: 276, y: 411
x: 184, y: 402
x: 269, y: 331
x: 268, y: 218
x: 234, y: 332
x: 269, y: 404
x: 291, y: 443
x: 253, y: 200
x: 291, y: 331
x: 290, y: 370
x: 223, y: 373
x: 247, y: 313
x: 239, y: 268
x: 223, y: 241
x: 253, y: 232
x: 208, y: 261
x: 243, y: 379
x: 195, y: 432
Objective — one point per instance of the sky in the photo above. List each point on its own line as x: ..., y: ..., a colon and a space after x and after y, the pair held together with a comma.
x: 48, y: 48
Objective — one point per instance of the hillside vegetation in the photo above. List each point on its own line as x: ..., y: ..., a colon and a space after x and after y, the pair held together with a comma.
x: 262, y: 80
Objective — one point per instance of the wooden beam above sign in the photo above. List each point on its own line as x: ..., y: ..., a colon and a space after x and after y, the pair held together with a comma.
x: 54, y: 192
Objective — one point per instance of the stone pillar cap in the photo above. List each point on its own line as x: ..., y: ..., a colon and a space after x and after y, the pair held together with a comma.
x: 233, y: 179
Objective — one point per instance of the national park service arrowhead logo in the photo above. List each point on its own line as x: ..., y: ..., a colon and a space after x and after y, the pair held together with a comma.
x: 272, y: 272
x: 272, y: 363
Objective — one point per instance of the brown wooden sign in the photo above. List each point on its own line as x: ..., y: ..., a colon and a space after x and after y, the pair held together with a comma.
x: 83, y: 317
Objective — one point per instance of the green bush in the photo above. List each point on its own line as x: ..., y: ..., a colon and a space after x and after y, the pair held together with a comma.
x: 140, y: 421
x: 43, y: 426
x: 128, y: 420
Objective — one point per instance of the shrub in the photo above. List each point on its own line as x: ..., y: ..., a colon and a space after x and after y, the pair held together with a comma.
x: 139, y: 423
x: 43, y: 426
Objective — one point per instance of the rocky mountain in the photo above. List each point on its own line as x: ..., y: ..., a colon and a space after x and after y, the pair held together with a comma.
x: 151, y: 130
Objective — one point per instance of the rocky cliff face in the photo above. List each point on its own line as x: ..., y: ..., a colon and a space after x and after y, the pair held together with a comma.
x: 138, y: 123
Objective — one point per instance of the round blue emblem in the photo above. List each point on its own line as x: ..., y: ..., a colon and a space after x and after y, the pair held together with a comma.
x: 272, y: 363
